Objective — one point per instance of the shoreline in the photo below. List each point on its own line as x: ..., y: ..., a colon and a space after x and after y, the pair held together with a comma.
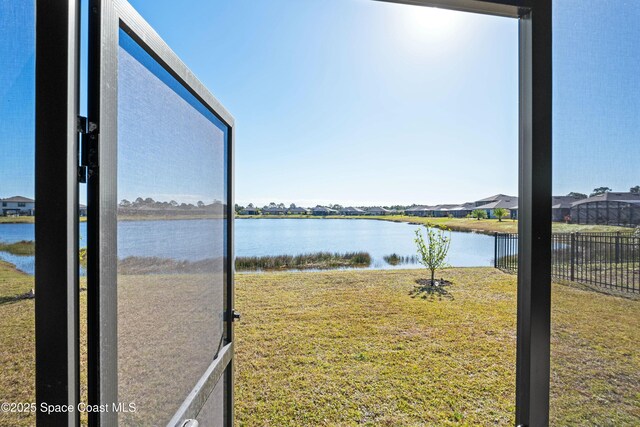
x: 464, y: 225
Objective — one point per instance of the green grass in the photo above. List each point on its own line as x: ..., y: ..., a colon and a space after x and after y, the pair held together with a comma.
x: 355, y: 348
x: 17, y: 344
x: 23, y: 248
x: 459, y: 224
x: 347, y: 348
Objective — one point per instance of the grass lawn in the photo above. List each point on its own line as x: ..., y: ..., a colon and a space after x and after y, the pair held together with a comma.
x: 461, y: 224
x: 346, y: 348
x: 26, y: 219
x: 355, y: 348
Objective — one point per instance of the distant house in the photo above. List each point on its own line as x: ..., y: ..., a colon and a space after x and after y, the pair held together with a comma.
x: 417, y: 211
x: 608, y: 209
x: 298, y: 211
x: 250, y: 211
x: 561, y: 207
x: 350, y: 211
x: 506, y: 202
x: 323, y: 211
x: 18, y: 205
x: 493, y: 199
x: 413, y: 210
x: 376, y: 210
x: 273, y: 210
x: 441, y: 211
x: 461, y: 211
x: 82, y: 210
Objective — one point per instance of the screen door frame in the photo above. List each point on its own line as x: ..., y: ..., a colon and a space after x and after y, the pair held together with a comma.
x: 535, y: 195
x: 106, y: 19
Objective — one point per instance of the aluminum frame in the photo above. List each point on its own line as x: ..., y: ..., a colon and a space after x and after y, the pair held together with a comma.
x: 107, y: 17
x: 56, y: 228
x: 535, y: 192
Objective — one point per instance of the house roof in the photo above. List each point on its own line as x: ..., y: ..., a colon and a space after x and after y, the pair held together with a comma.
x: 559, y: 202
x: 18, y: 199
x: 377, y: 208
x: 324, y: 209
x: 463, y: 207
x: 443, y: 207
x: 496, y: 197
x: 609, y: 197
x: 511, y: 203
x: 351, y: 209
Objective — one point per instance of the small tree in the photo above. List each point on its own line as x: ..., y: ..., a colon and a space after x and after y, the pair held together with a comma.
x: 433, y: 248
x: 479, y: 214
x: 635, y: 190
x: 500, y: 213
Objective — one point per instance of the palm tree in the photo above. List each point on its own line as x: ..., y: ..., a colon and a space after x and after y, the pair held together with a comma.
x: 500, y: 213
x: 478, y: 214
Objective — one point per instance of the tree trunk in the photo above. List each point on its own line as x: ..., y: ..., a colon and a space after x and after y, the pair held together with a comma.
x: 433, y: 277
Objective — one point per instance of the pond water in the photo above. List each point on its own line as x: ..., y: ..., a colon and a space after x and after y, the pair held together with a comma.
x: 189, y: 240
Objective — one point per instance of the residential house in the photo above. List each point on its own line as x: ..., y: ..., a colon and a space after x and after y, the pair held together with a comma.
x: 274, y: 210
x: 323, y: 211
x: 376, y: 210
x: 561, y: 207
x: 462, y: 211
x: 18, y: 205
x: 416, y: 211
x: 250, y: 211
x: 350, y: 211
x: 505, y: 202
x: 298, y: 211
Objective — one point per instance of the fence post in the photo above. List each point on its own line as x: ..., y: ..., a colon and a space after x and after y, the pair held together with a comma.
x: 573, y: 256
x: 495, y: 250
x: 617, y: 248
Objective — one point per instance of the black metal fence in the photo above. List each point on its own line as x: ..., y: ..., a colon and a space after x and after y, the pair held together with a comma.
x: 609, y: 260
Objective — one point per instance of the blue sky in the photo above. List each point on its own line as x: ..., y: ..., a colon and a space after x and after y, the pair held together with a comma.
x: 362, y: 102
x: 17, y: 99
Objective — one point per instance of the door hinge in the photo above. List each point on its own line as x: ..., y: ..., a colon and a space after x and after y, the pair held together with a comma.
x: 88, y: 148
x: 232, y: 316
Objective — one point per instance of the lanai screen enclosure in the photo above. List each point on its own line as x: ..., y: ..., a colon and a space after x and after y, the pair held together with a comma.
x: 126, y: 155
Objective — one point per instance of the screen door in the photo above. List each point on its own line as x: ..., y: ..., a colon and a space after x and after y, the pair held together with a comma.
x: 159, y: 153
